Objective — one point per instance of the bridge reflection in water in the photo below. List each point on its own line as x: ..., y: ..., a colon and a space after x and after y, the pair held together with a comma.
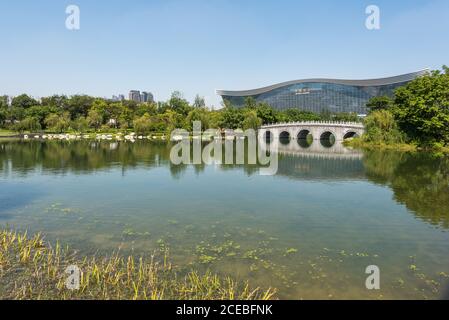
x: 316, y: 161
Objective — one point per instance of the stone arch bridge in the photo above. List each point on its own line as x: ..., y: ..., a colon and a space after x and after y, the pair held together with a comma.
x: 319, y: 130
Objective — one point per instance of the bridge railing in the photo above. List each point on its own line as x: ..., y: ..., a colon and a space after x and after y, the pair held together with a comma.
x: 280, y: 124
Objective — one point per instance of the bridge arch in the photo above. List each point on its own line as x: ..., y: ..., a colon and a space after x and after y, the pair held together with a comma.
x: 350, y: 134
x: 303, y: 134
x: 305, y: 138
x: 284, y: 135
x: 328, y: 139
x: 319, y: 130
x: 268, y: 136
x: 304, y: 143
x: 328, y: 134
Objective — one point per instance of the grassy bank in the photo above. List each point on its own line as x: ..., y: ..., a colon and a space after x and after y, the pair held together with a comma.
x: 30, y: 268
x: 359, y: 143
x: 7, y: 133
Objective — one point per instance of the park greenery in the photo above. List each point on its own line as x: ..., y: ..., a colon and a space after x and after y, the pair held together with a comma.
x: 417, y: 115
x: 81, y: 113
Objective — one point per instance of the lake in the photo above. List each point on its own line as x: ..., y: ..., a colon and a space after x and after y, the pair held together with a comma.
x: 309, y: 231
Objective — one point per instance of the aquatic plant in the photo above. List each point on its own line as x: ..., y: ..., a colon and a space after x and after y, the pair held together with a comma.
x: 290, y: 251
x: 30, y: 268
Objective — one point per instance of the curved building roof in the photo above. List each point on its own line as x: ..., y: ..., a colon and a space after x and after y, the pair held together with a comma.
x: 369, y: 82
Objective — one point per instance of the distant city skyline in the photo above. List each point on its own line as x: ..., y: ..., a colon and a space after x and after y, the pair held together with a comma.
x: 137, y: 96
x: 199, y: 46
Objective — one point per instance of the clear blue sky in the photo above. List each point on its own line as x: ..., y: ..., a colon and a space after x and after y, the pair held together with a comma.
x: 197, y: 46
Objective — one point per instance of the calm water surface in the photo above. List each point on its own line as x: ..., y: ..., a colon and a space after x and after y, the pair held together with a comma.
x: 309, y: 231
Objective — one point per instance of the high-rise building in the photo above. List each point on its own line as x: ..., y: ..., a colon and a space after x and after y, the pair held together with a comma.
x: 143, y: 97
x: 119, y: 97
x: 146, y: 97
x: 6, y: 100
x: 134, y: 95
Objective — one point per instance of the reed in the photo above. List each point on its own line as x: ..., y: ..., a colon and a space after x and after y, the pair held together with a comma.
x: 31, y: 268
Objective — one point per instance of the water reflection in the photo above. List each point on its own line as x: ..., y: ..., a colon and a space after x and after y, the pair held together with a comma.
x: 309, y: 231
x: 418, y: 181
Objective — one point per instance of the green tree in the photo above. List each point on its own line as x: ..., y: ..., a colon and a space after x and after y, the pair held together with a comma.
x: 55, y: 101
x: 297, y: 115
x: 28, y: 124
x: 142, y: 125
x: 78, y: 105
x: 126, y: 118
x: 199, y: 102
x: 422, y: 108
x: 325, y: 115
x: 58, y: 123
x: 379, y: 103
x: 3, y: 116
x: 266, y: 113
x: 80, y: 124
x: 170, y: 120
x: 231, y: 118
x: 15, y: 114
x: 143, y: 108
x: 112, y: 112
x: 251, y: 121
x: 250, y: 103
x: 24, y: 101
x: 178, y: 104
x: 215, y: 118
x: 94, y: 119
x: 381, y: 127
x: 40, y: 113
x: 346, y: 116
x: 198, y: 114
x: 3, y: 102
x: 3, y: 109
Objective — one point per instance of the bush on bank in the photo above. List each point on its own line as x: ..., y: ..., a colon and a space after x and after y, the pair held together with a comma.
x: 417, y: 116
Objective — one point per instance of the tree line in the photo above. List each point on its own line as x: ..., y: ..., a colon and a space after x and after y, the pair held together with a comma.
x: 418, y: 113
x: 82, y: 113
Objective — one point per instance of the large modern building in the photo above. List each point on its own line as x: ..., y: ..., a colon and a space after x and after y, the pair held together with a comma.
x: 318, y: 95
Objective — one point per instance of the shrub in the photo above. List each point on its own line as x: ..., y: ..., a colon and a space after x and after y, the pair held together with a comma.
x: 142, y: 125
x: 381, y: 127
x: 28, y: 124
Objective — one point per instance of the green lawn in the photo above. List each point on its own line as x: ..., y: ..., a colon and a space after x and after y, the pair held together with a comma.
x: 4, y: 133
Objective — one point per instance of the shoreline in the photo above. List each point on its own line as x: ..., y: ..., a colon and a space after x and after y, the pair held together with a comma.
x: 356, y: 143
x: 400, y: 147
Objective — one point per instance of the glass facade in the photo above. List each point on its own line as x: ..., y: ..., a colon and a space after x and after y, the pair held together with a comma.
x: 319, y: 96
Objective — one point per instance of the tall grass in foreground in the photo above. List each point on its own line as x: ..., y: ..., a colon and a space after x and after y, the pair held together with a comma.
x: 30, y: 268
